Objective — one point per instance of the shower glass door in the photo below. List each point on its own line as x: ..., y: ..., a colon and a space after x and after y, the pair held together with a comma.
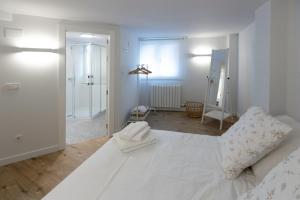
x: 99, y: 63
x: 96, y: 79
x: 88, y: 80
x: 82, y: 87
x: 103, y: 78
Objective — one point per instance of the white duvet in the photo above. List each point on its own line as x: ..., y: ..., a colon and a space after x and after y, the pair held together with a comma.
x: 179, y: 166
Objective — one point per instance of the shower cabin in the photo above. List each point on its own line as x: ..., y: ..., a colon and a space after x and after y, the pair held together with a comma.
x: 86, y: 81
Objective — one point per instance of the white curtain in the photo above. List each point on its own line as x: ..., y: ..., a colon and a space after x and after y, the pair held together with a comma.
x: 164, y: 58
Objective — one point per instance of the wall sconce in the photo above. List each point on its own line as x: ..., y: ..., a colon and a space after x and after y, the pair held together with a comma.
x: 24, y: 49
x: 32, y: 44
x: 201, y: 55
x: 201, y: 59
x: 37, y: 43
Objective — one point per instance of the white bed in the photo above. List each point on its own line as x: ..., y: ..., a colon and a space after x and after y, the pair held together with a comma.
x: 179, y: 167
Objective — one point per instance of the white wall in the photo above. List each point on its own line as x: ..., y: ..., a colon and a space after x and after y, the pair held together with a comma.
x: 262, y: 56
x: 269, y: 79
x: 293, y: 72
x: 233, y: 44
x: 32, y: 110
x: 36, y: 110
x: 129, y: 59
x: 278, y: 56
x: 276, y: 63
x: 197, y: 68
x: 246, y: 68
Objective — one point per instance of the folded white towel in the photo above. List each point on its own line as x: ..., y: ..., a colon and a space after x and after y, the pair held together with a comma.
x: 141, y: 109
x: 141, y: 135
x: 132, y: 130
x: 128, y: 146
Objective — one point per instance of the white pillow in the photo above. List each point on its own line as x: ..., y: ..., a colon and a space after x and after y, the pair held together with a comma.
x: 250, y: 139
x: 253, y: 112
x: 282, y: 182
x: 290, y: 144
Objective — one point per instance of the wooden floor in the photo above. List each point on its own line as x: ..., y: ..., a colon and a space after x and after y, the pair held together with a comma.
x: 179, y: 121
x: 34, y: 178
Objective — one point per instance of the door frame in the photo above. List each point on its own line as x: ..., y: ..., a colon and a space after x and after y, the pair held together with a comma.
x: 109, y: 30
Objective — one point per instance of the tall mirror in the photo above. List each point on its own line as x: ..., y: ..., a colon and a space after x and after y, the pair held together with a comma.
x: 216, y: 78
x: 217, y: 92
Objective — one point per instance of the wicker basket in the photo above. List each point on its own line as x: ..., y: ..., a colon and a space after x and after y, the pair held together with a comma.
x: 194, y: 109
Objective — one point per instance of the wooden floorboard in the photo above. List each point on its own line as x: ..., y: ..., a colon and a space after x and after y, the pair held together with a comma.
x: 32, y: 179
x: 180, y: 122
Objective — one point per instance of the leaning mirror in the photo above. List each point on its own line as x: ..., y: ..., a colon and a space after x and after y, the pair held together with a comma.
x: 217, y: 93
x: 217, y: 77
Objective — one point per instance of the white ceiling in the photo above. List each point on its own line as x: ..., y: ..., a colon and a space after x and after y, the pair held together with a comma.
x: 154, y: 17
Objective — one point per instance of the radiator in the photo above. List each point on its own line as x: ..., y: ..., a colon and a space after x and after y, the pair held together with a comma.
x: 165, y: 96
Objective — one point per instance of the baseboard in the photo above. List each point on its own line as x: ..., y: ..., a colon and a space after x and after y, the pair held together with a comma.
x: 28, y: 155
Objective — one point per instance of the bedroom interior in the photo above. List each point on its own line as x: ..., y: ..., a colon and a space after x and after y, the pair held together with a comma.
x: 101, y: 100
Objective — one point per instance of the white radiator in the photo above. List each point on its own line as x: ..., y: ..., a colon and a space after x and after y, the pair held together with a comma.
x: 165, y: 96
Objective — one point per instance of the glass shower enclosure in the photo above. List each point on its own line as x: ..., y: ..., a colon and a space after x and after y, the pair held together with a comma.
x: 86, y: 80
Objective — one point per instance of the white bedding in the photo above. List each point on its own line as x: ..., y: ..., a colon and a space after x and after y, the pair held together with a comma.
x: 179, y: 166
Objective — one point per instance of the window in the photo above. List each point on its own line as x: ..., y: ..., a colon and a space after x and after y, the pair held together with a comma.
x: 163, y: 58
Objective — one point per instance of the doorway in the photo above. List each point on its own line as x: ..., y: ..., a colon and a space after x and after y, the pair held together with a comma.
x: 86, y: 86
